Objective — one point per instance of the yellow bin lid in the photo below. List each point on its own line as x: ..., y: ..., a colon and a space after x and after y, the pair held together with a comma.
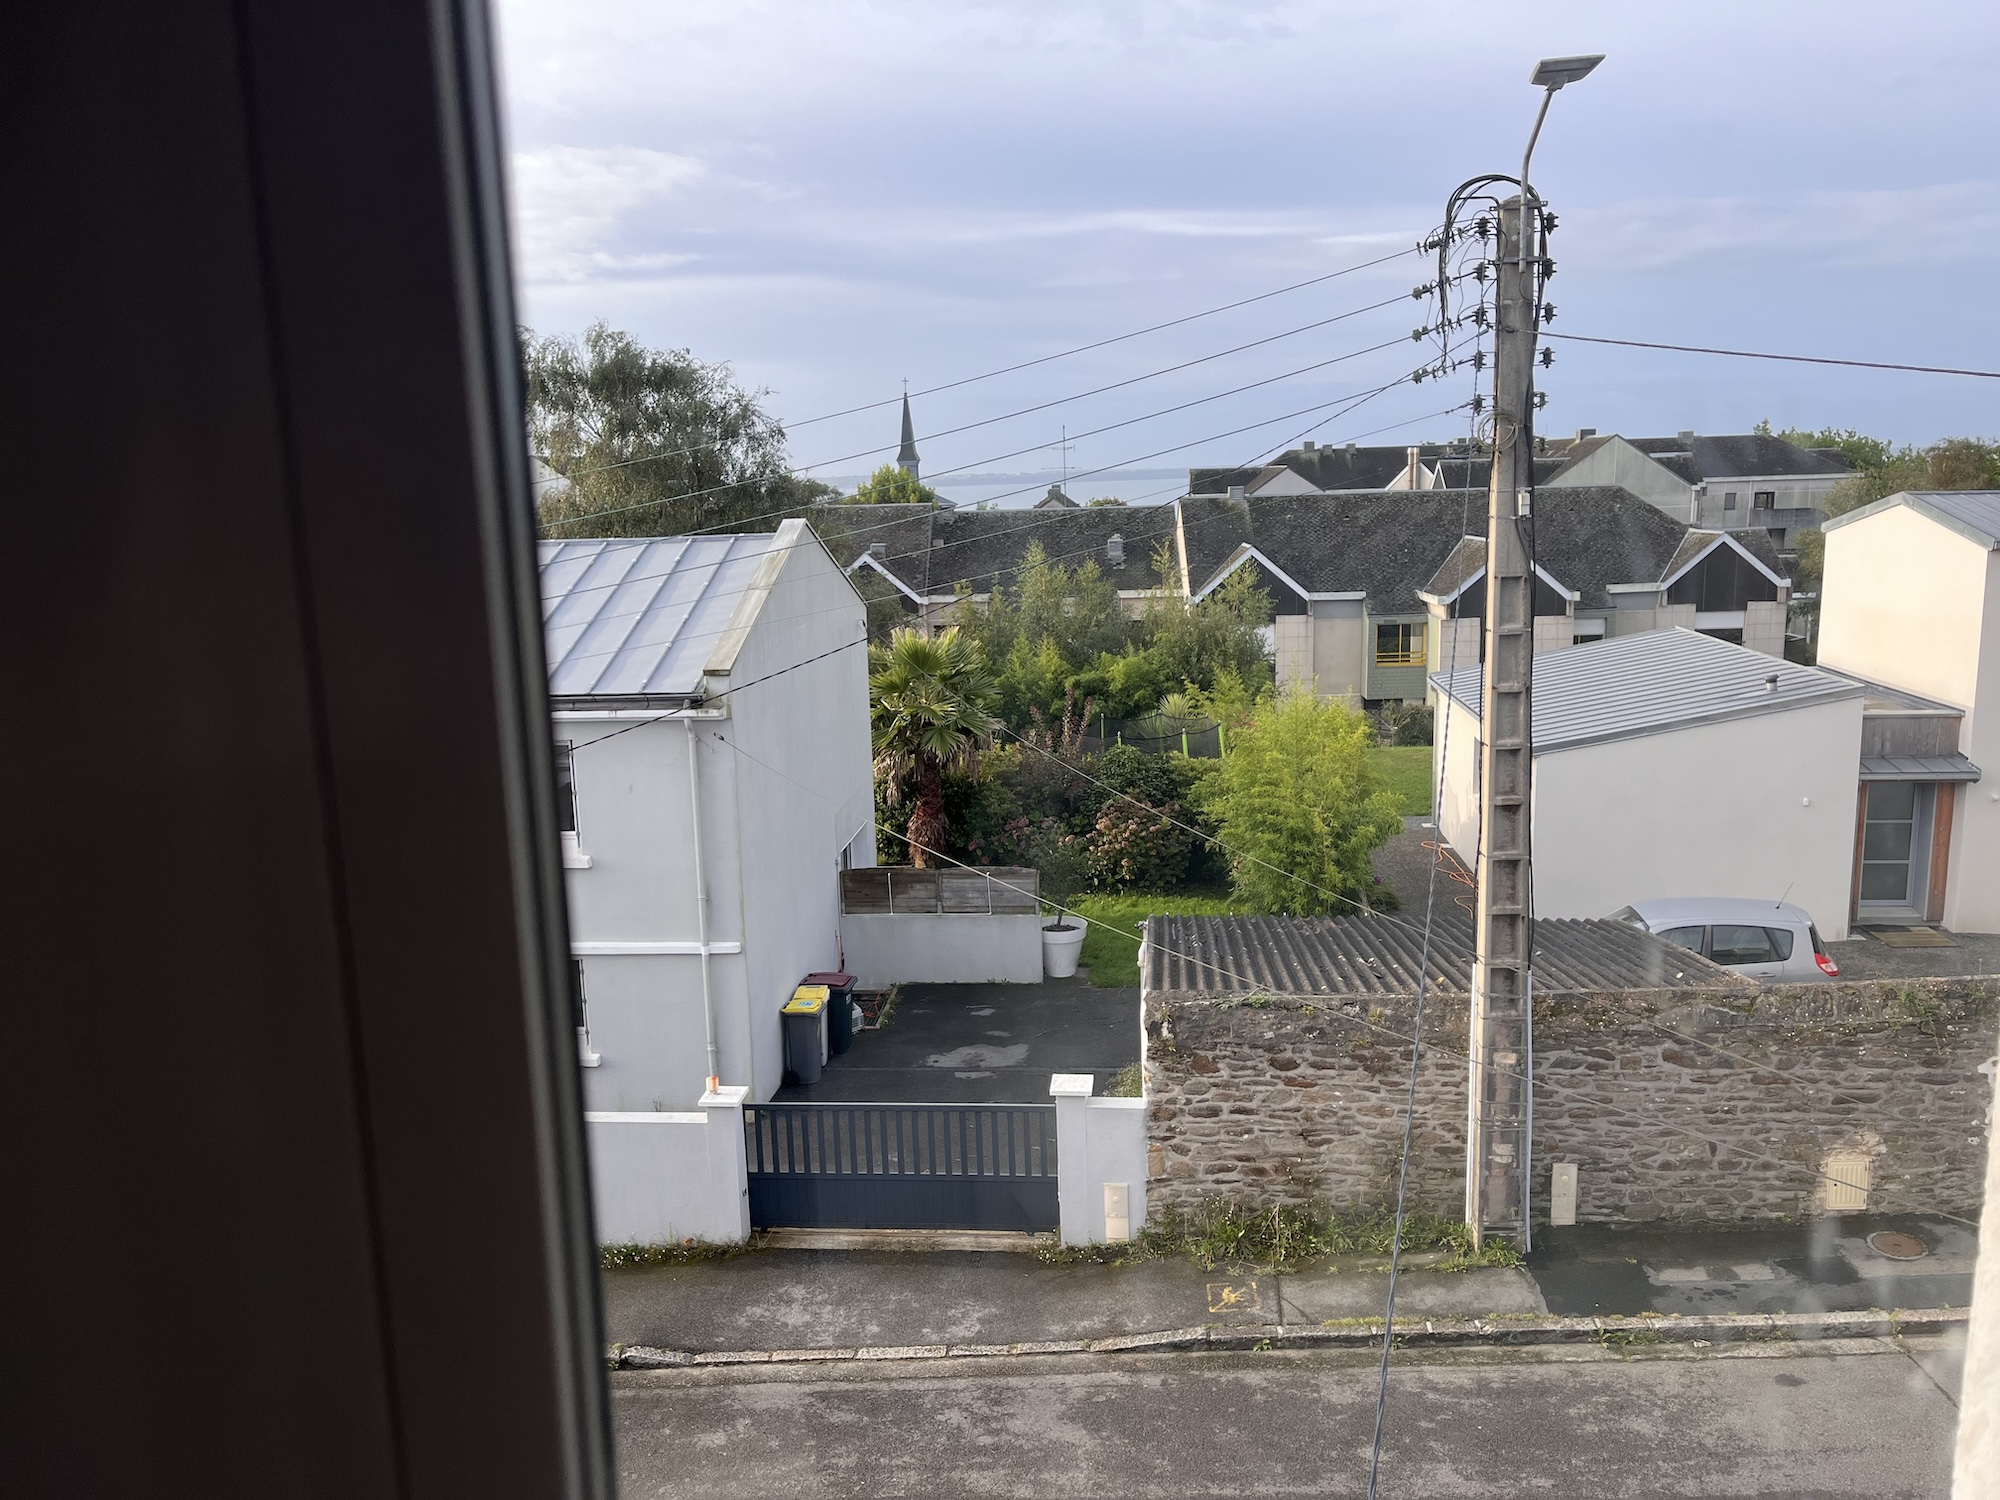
x: 807, y: 1000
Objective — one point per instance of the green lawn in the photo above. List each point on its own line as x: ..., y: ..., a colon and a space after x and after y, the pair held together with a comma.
x: 1113, y: 960
x: 1406, y: 771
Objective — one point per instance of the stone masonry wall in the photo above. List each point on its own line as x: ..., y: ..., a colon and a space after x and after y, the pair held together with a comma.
x: 1286, y: 1099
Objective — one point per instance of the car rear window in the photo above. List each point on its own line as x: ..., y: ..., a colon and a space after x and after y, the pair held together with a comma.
x: 1781, y: 939
x: 1741, y: 945
x: 1685, y: 937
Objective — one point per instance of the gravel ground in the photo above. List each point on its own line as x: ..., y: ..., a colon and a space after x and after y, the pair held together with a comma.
x: 1403, y: 865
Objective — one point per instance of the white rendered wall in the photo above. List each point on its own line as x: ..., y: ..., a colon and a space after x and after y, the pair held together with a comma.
x: 1455, y: 743
x: 1905, y: 602
x: 946, y: 949
x: 1760, y: 807
x: 1291, y: 643
x: 1098, y: 1142
x: 664, y: 1177
x: 786, y: 786
x: 1619, y: 463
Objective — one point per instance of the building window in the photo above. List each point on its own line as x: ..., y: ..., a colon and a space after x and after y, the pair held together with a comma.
x: 1729, y: 499
x: 1400, y: 645
x: 585, y: 1056
x: 565, y: 786
x: 1763, y: 499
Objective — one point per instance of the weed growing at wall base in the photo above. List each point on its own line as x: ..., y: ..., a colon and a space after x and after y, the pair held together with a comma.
x: 633, y: 1257
x: 1219, y: 1231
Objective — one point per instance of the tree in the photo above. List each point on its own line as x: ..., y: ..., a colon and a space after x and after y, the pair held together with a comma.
x: 652, y: 443
x: 1295, y: 797
x: 1223, y: 634
x: 931, y: 703
x: 892, y: 485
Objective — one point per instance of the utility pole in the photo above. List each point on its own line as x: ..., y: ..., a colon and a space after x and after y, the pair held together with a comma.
x: 1499, y: 1135
x: 1496, y: 1177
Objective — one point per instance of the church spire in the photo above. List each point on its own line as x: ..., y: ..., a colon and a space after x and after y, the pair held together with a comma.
x: 906, y: 460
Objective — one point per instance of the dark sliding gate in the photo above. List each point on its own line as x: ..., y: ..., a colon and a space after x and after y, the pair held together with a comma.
x: 902, y: 1166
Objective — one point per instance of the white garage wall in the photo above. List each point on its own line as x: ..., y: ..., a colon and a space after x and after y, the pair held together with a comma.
x: 1760, y: 807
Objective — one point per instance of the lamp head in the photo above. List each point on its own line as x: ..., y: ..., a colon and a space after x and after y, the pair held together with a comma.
x: 1553, y: 72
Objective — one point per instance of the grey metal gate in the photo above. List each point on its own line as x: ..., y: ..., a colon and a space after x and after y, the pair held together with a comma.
x: 902, y: 1166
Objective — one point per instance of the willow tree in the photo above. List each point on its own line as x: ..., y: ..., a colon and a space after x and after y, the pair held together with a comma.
x: 932, y: 703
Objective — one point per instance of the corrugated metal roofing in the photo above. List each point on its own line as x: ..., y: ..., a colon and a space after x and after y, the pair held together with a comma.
x: 1918, y: 768
x: 1651, y: 683
x: 641, y: 616
x: 1372, y: 956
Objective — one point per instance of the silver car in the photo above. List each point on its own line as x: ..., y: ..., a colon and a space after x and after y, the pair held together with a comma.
x: 1763, y: 939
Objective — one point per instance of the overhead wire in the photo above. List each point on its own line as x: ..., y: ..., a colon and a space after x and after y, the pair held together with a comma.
x: 1795, y: 359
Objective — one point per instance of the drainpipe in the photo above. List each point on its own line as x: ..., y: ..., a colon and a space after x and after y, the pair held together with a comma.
x: 701, y: 906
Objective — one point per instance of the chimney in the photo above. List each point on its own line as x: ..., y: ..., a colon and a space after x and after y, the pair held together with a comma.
x: 1585, y: 432
x: 1236, y: 496
x: 1350, y: 454
x: 1413, y: 471
x: 1310, y: 446
x: 1687, y: 435
x: 1771, y: 683
x: 878, y: 550
x: 1114, y: 550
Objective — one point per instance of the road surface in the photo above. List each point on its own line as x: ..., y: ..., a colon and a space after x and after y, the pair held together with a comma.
x: 1860, y: 1417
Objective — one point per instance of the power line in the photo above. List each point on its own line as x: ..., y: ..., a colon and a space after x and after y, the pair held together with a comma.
x: 801, y: 472
x: 1796, y: 359
x: 1028, y: 410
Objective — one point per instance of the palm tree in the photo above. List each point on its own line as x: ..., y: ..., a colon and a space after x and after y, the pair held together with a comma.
x: 931, y: 702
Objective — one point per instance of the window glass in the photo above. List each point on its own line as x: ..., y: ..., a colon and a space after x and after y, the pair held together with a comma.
x: 1684, y: 937
x: 1891, y: 801
x: 1729, y: 499
x: 1764, y: 499
x: 1742, y: 945
x: 1399, y: 645
x: 1781, y: 941
x: 565, y: 788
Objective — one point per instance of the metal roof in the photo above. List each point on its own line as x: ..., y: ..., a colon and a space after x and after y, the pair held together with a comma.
x: 1655, y: 682
x: 1952, y: 767
x: 1973, y: 514
x: 634, y: 616
x: 1374, y: 956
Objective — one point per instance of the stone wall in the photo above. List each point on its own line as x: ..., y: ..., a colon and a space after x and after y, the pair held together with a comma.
x: 1286, y: 1099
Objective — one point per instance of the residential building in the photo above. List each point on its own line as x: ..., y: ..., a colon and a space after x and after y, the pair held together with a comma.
x: 1374, y: 591
x: 1911, y: 601
x: 1744, y: 482
x: 1673, y: 764
x: 935, y: 556
x: 712, y: 743
x: 1311, y: 469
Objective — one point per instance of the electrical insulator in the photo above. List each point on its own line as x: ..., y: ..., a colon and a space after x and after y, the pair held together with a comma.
x: 1548, y: 268
x: 1541, y: 399
x: 1479, y: 273
x: 1417, y: 377
x: 1479, y: 316
x: 1479, y: 359
x: 1548, y: 222
x: 1482, y: 226
x: 1417, y: 335
x: 1548, y: 358
x: 1548, y: 312
x: 1478, y: 404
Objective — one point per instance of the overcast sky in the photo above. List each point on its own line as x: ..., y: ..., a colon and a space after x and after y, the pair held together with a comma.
x: 836, y: 196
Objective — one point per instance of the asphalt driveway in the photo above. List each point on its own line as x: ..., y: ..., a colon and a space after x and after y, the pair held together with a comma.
x: 984, y: 1044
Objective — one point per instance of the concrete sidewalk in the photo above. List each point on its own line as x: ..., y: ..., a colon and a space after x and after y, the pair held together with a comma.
x: 828, y: 1299
x: 844, y: 1299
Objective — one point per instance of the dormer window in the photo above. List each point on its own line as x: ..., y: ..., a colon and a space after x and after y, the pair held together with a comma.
x: 1114, y: 550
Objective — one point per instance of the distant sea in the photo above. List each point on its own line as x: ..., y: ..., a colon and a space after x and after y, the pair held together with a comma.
x: 1018, y: 491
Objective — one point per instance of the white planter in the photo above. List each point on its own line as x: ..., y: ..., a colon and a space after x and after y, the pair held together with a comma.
x: 1060, y: 946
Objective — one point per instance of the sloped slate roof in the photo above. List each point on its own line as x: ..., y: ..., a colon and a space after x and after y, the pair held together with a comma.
x: 1379, y: 957
x: 631, y: 617
x: 1363, y: 468
x: 1390, y: 544
x: 1745, y: 455
x: 1652, y: 683
x: 932, y: 550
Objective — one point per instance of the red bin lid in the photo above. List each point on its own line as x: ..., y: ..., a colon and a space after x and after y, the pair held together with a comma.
x: 831, y: 979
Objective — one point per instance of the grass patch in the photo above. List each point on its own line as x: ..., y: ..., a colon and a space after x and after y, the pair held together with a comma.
x: 1113, y: 960
x: 1406, y: 771
x: 1129, y: 1082
x: 635, y: 1257
x: 1221, y: 1232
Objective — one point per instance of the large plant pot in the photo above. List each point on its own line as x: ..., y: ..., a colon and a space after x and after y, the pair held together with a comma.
x: 1060, y: 947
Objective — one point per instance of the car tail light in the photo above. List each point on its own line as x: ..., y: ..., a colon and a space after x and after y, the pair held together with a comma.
x: 1827, y: 966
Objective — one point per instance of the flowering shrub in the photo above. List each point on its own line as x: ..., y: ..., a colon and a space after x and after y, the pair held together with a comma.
x: 1136, y: 847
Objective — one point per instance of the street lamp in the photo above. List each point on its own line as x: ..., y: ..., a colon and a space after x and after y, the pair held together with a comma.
x: 1551, y: 73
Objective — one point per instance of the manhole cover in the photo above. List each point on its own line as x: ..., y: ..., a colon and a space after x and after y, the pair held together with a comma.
x: 1897, y: 1245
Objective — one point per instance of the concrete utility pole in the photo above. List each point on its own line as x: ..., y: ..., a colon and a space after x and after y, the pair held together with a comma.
x: 1499, y: 1137
x: 1496, y: 1197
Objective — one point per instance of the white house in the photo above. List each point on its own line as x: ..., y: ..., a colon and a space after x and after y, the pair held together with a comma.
x: 711, y: 722
x: 1674, y: 764
x: 1745, y: 482
x: 1911, y: 600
